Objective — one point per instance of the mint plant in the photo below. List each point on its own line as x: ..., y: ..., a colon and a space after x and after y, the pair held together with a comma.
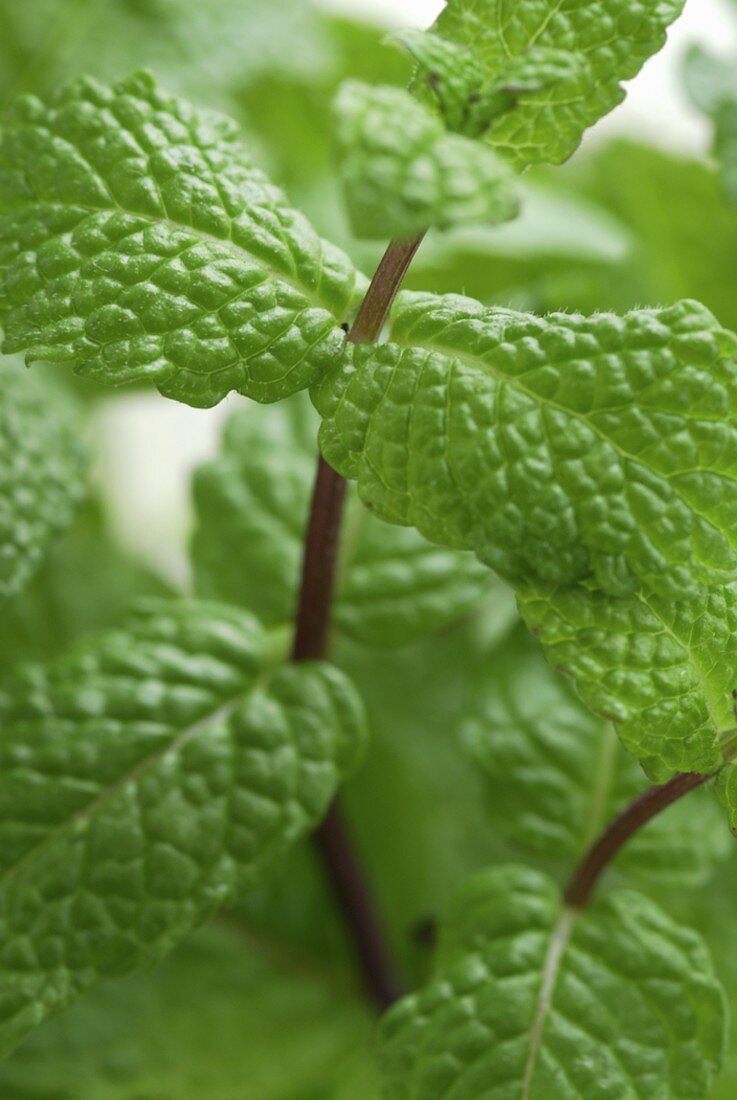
x: 437, y: 718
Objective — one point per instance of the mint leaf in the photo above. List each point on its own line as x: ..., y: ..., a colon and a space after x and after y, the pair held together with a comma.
x: 555, y: 776
x: 149, y: 777
x: 712, y: 85
x: 41, y: 473
x: 450, y: 77
x: 228, y: 1007
x: 533, y: 1001
x: 402, y: 171
x: 393, y: 586
x: 663, y: 670
x: 608, y: 42
x: 565, y: 448
x: 138, y: 242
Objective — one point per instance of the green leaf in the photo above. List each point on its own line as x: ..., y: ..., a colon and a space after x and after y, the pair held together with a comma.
x: 41, y: 473
x: 608, y: 40
x: 566, y: 448
x: 712, y: 85
x: 227, y: 1015
x: 535, y: 1001
x: 393, y: 585
x: 663, y: 670
x: 138, y: 242
x: 402, y: 171
x: 555, y: 776
x: 450, y: 77
x: 146, y: 779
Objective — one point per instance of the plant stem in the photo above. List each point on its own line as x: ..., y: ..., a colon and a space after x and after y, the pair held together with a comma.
x: 351, y: 890
x: 326, y: 511
x: 584, y: 879
x: 333, y: 841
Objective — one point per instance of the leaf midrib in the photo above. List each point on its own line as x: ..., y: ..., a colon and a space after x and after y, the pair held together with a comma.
x: 557, y: 944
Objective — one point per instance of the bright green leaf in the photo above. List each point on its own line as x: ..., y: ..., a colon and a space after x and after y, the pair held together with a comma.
x: 555, y: 775
x: 41, y: 472
x: 534, y: 1001
x: 402, y: 171
x: 152, y: 775
x: 449, y: 77
x: 567, y: 448
x: 608, y: 40
x: 663, y: 670
x: 393, y: 585
x: 138, y: 242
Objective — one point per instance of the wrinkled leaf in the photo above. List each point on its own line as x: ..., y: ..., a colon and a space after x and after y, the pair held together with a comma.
x: 555, y: 776
x: 402, y: 171
x: 153, y: 774
x: 566, y: 448
x: 663, y: 670
x: 138, y: 242
x: 608, y: 40
x: 534, y: 1001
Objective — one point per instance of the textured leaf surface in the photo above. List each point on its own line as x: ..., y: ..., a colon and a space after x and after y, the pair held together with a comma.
x: 226, y: 1016
x: 663, y: 670
x: 402, y: 171
x: 146, y: 779
x: 567, y: 448
x: 555, y: 775
x: 451, y: 78
x: 394, y: 586
x: 533, y: 1002
x: 609, y: 41
x: 138, y: 242
x: 41, y: 472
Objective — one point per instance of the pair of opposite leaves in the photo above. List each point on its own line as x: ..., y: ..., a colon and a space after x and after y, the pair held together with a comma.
x: 588, y: 460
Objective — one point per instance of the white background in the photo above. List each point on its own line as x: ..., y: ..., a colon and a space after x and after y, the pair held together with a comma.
x: 148, y: 445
